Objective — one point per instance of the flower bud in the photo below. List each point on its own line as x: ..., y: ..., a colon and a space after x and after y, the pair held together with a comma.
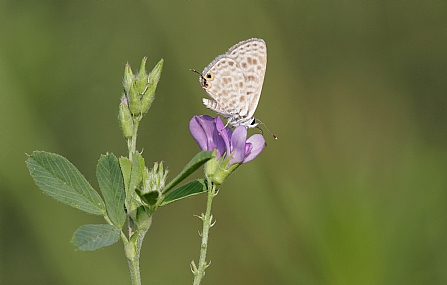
x: 154, y: 183
x: 128, y: 79
x: 140, y: 88
x: 134, y: 99
x: 152, y: 81
x: 125, y: 118
x: 141, y: 78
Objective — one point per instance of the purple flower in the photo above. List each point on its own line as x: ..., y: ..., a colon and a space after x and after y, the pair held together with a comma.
x: 211, y: 134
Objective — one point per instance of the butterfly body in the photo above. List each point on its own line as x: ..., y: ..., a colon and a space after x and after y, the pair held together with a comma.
x: 234, y: 82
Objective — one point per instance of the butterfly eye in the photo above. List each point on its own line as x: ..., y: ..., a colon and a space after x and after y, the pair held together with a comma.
x: 209, y: 76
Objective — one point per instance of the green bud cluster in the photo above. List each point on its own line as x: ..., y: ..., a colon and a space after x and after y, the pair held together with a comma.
x: 139, y: 93
x: 154, y: 181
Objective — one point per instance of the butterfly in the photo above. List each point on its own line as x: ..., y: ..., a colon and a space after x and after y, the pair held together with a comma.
x: 234, y: 82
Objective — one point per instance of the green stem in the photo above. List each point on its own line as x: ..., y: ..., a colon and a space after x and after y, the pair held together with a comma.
x: 134, y: 266
x: 132, y: 142
x: 133, y: 250
x: 199, y: 272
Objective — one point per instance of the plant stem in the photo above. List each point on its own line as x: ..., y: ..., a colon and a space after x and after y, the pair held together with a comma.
x: 134, y: 266
x: 133, y: 250
x: 199, y: 272
x: 132, y: 142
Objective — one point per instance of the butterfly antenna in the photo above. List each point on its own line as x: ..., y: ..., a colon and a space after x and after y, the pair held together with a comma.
x: 275, y: 137
x: 193, y: 70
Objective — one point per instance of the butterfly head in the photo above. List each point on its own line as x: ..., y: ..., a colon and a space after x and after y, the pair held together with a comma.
x: 204, y: 79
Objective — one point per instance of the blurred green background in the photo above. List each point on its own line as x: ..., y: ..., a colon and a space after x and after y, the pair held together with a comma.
x: 354, y: 191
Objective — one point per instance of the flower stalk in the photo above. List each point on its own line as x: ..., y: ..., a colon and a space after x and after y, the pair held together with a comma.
x: 207, y: 219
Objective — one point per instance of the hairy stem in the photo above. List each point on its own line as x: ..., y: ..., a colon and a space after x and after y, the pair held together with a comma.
x: 133, y: 250
x: 132, y: 142
x: 137, y: 233
x: 199, y: 271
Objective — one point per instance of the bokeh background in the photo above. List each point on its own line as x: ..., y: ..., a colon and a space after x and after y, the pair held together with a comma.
x: 354, y: 191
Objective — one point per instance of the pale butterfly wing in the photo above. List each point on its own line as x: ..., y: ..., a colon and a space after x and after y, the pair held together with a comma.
x: 251, y: 55
x: 225, y: 87
x: 234, y: 80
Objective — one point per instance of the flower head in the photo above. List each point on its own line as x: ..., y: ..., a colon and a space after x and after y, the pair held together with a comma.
x: 140, y: 88
x: 232, y: 148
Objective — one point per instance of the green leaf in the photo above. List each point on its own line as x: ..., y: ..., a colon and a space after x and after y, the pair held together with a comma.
x: 189, y: 189
x: 92, y: 237
x: 126, y: 168
x: 197, y: 161
x: 137, y: 170
x: 133, y: 201
x: 111, y: 183
x: 150, y: 198
x: 60, y: 179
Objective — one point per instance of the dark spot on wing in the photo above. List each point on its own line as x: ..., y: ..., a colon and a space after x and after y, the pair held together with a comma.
x: 251, y: 78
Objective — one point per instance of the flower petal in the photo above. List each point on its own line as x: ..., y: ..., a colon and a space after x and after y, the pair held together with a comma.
x: 202, y: 129
x: 224, y: 135
x: 257, y: 142
x: 219, y: 144
x: 238, y: 145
